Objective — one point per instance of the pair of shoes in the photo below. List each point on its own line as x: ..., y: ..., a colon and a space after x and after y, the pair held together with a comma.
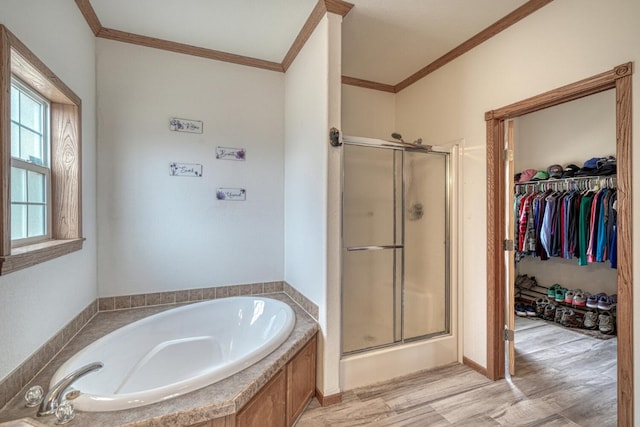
x: 570, y: 295
x: 590, y: 320
x: 580, y: 299
x: 559, y: 314
x: 606, y: 323
x: 571, y: 319
x: 551, y: 292
x: 521, y: 310
x: 606, y: 303
x: 541, y: 303
x: 560, y: 294
x: 592, y: 300
x: 525, y: 282
x: 549, y: 312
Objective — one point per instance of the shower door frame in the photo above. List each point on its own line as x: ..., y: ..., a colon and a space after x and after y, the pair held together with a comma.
x: 404, y: 147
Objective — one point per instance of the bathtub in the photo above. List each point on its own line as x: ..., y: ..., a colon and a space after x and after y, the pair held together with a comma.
x: 177, y: 351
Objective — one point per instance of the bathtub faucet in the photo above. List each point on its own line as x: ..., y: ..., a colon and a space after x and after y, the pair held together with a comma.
x: 55, y: 395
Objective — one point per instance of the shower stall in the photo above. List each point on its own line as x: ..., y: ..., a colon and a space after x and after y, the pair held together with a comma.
x: 396, y: 226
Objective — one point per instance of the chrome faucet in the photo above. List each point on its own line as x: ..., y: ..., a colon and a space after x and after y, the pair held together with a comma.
x: 55, y: 395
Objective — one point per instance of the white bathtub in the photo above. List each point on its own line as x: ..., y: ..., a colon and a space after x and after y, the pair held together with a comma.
x: 178, y: 351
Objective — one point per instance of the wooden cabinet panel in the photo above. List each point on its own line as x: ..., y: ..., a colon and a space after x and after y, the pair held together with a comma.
x: 301, y: 380
x: 267, y: 408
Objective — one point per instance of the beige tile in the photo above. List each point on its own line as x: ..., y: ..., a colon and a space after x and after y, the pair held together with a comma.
x: 222, y: 291
x: 106, y: 303
x: 153, y: 299
x: 343, y: 415
x: 257, y: 289
x: 123, y: 302
x: 138, y: 301
x: 182, y: 296
x: 423, y: 415
x: 168, y: 297
x: 272, y: 287
x: 195, y: 294
x: 244, y: 290
x: 208, y: 293
x: 3, y: 395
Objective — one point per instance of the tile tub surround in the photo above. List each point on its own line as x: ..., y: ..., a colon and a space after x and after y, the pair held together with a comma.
x: 14, y: 382
x: 219, y: 399
x: 308, y: 305
x: 20, y: 376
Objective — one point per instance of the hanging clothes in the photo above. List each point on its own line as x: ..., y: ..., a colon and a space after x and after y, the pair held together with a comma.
x: 566, y: 224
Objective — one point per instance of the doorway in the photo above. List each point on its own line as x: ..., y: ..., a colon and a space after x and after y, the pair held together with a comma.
x: 619, y: 79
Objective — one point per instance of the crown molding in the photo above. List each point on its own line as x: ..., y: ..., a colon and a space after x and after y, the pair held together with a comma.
x: 484, y: 35
x: 321, y: 8
x: 122, y: 36
x: 368, y: 84
x: 89, y: 15
x: 338, y: 7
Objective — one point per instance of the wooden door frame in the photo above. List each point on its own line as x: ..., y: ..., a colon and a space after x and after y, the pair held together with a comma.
x: 619, y: 78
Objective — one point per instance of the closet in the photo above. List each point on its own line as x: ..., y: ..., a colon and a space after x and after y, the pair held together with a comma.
x: 499, y: 257
x: 566, y: 246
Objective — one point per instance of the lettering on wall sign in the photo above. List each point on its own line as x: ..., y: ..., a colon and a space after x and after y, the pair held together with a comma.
x: 231, y: 194
x: 185, y: 125
x: 227, y: 153
x: 185, y: 169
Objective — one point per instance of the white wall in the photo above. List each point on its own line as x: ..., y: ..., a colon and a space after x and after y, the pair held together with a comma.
x: 38, y: 301
x: 312, y: 251
x: 161, y: 233
x: 370, y: 113
x: 542, y: 52
x: 572, y: 132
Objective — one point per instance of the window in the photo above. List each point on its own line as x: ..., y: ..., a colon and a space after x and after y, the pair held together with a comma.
x: 30, y: 171
x: 40, y: 170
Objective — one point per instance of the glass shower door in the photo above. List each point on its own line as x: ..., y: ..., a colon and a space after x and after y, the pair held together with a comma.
x: 372, y: 248
x: 426, y: 243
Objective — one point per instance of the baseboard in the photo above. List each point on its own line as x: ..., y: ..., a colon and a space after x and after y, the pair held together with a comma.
x: 473, y: 365
x: 328, y: 400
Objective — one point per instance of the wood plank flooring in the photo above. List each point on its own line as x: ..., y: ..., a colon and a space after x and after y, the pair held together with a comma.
x: 563, y: 378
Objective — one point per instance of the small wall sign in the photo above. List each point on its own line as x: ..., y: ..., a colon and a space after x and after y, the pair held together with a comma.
x: 185, y: 125
x: 228, y: 153
x: 185, y: 169
x: 231, y: 194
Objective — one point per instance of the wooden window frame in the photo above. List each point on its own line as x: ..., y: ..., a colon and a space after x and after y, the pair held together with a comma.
x: 619, y: 79
x: 65, y: 157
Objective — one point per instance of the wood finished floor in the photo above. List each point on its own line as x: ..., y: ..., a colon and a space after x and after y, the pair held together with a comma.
x: 563, y: 379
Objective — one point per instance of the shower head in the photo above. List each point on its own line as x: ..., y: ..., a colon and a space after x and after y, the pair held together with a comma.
x: 397, y: 136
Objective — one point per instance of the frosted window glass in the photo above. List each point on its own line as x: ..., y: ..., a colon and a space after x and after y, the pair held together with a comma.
x: 30, y: 113
x: 15, y: 105
x: 18, y: 185
x: 36, y: 220
x: 15, y: 140
x: 31, y: 146
x: 18, y: 221
x: 36, y: 187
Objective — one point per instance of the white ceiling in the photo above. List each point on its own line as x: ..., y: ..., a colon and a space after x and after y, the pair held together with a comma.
x: 383, y: 40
